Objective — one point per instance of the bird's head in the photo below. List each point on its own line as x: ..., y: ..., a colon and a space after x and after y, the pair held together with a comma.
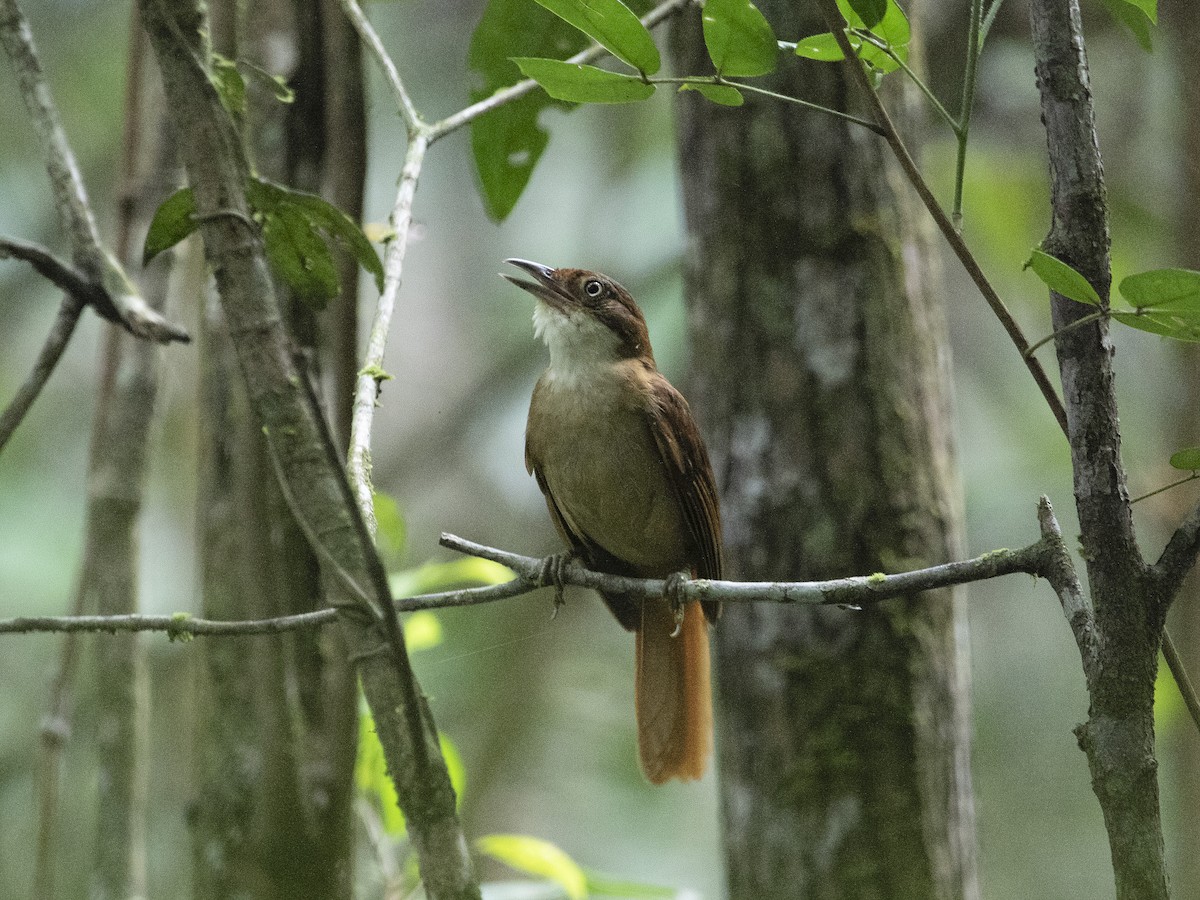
x: 583, y: 315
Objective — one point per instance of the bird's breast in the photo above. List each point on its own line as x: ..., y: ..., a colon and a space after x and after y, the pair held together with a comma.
x: 589, y: 436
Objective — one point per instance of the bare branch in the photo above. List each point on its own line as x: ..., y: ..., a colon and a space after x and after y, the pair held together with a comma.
x: 1039, y: 559
x: 856, y: 591
x: 182, y: 626
x: 412, y: 119
x: 372, y: 374
x: 51, y: 353
x: 1178, y: 557
x: 70, y: 196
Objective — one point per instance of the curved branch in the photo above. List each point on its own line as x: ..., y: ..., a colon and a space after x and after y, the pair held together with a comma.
x: 51, y: 353
x: 70, y: 195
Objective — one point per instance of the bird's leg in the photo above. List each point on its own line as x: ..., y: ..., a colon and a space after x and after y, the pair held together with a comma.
x: 674, y: 595
x: 553, y: 573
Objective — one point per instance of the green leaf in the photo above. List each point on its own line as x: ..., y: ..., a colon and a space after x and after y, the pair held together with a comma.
x: 612, y: 25
x: 1136, y: 18
x: 230, y: 85
x: 1176, y: 289
x: 1061, y: 278
x: 608, y: 886
x: 583, y: 84
x: 892, y: 29
x: 536, y: 857
x: 1188, y: 460
x: 739, y: 39
x: 824, y: 47
x: 298, y: 255
x: 508, y: 141
x: 173, y: 221
x: 724, y: 94
x: 870, y: 11
x: 440, y: 576
x: 296, y: 229
x: 1149, y: 8
x: 1179, y: 326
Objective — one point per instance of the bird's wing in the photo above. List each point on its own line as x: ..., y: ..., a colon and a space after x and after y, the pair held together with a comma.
x: 691, y: 475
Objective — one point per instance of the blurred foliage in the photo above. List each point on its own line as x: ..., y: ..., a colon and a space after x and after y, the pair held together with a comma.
x: 541, y: 711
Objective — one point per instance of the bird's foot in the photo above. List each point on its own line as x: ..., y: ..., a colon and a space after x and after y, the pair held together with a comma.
x: 674, y: 595
x: 553, y: 574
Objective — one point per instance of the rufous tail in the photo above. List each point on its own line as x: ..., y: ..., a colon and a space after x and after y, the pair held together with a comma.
x: 673, y: 693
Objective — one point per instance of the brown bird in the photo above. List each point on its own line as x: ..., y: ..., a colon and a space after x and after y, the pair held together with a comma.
x: 627, y: 480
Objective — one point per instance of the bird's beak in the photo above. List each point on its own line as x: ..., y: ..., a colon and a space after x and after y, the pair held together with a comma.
x: 545, y: 288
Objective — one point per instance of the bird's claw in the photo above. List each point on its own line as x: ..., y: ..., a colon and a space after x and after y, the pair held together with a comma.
x: 553, y: 574
x: 674, y: 596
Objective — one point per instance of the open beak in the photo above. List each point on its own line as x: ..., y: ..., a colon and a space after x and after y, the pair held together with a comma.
x: 544, y: 287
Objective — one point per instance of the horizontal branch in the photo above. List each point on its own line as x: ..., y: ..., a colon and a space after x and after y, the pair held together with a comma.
x: 62, y: 275
x: 1040, y: 559
x: 855, y: 591
x: 182, y: 626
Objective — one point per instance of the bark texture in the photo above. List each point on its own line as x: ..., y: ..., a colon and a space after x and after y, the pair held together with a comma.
x: 275, y: 755
x: 1120, y: 644
x: 820, y: 377
x: 302, y: 451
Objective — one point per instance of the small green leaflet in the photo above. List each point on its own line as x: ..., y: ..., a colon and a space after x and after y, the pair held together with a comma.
x: 1136, y: 18
x: 297, y: 231
x: 1174, y: 288
x: 1166, y: 302
x: 612, y: 25
x: 891, y: 29
x: 824, y: 47
x: 230, y: 85
x: 723, y: 94
x: 1188, y: 460
x: 536, y: 857
x: 583, y: 84
x: 1061, y: 278
x: 739, y: 39
x: 173, y: 221
x: 870, y: 11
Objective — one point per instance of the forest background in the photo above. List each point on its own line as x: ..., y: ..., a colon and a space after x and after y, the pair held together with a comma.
x: 541, y: 710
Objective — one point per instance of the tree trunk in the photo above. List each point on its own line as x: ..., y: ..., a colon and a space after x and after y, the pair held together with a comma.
x: 276, y: 754
x: 820, y: 377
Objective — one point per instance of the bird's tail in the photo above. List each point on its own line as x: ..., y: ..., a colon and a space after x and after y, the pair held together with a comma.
x: 674, y: 693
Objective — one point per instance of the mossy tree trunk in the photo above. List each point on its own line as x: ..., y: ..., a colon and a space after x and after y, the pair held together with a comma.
x: 275, y: 752
x: 820, y: 377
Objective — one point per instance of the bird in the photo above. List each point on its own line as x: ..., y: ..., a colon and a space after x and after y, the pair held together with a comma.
x: 630, y: 489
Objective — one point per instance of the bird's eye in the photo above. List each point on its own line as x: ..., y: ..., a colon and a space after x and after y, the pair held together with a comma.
x: 593, y: 288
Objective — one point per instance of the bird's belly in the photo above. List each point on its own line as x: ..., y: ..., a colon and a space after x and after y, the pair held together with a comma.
x: 607, y: 478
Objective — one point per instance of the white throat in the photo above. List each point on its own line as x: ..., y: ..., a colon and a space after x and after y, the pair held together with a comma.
x: 581, y: 348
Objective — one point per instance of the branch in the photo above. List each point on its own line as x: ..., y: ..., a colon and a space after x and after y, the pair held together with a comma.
x: 1043, y: 559
x: 51, y: 353
x: 70, y: 196
x: 1178, y: 557
x: 856, y: 591
x: 1060, y: 572
x: 181, y: 626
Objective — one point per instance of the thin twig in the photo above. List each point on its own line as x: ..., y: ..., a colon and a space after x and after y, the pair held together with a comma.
x: 51, y: 353
x: 856, y: 591
x: 1187, y: 690
x: 963, y: 131
x: 412, y: 119
x: 372, y: 375
x: 1078, y: 323
x: 1165, y: 487
x: 70, y: 195
x: 182, y: 626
